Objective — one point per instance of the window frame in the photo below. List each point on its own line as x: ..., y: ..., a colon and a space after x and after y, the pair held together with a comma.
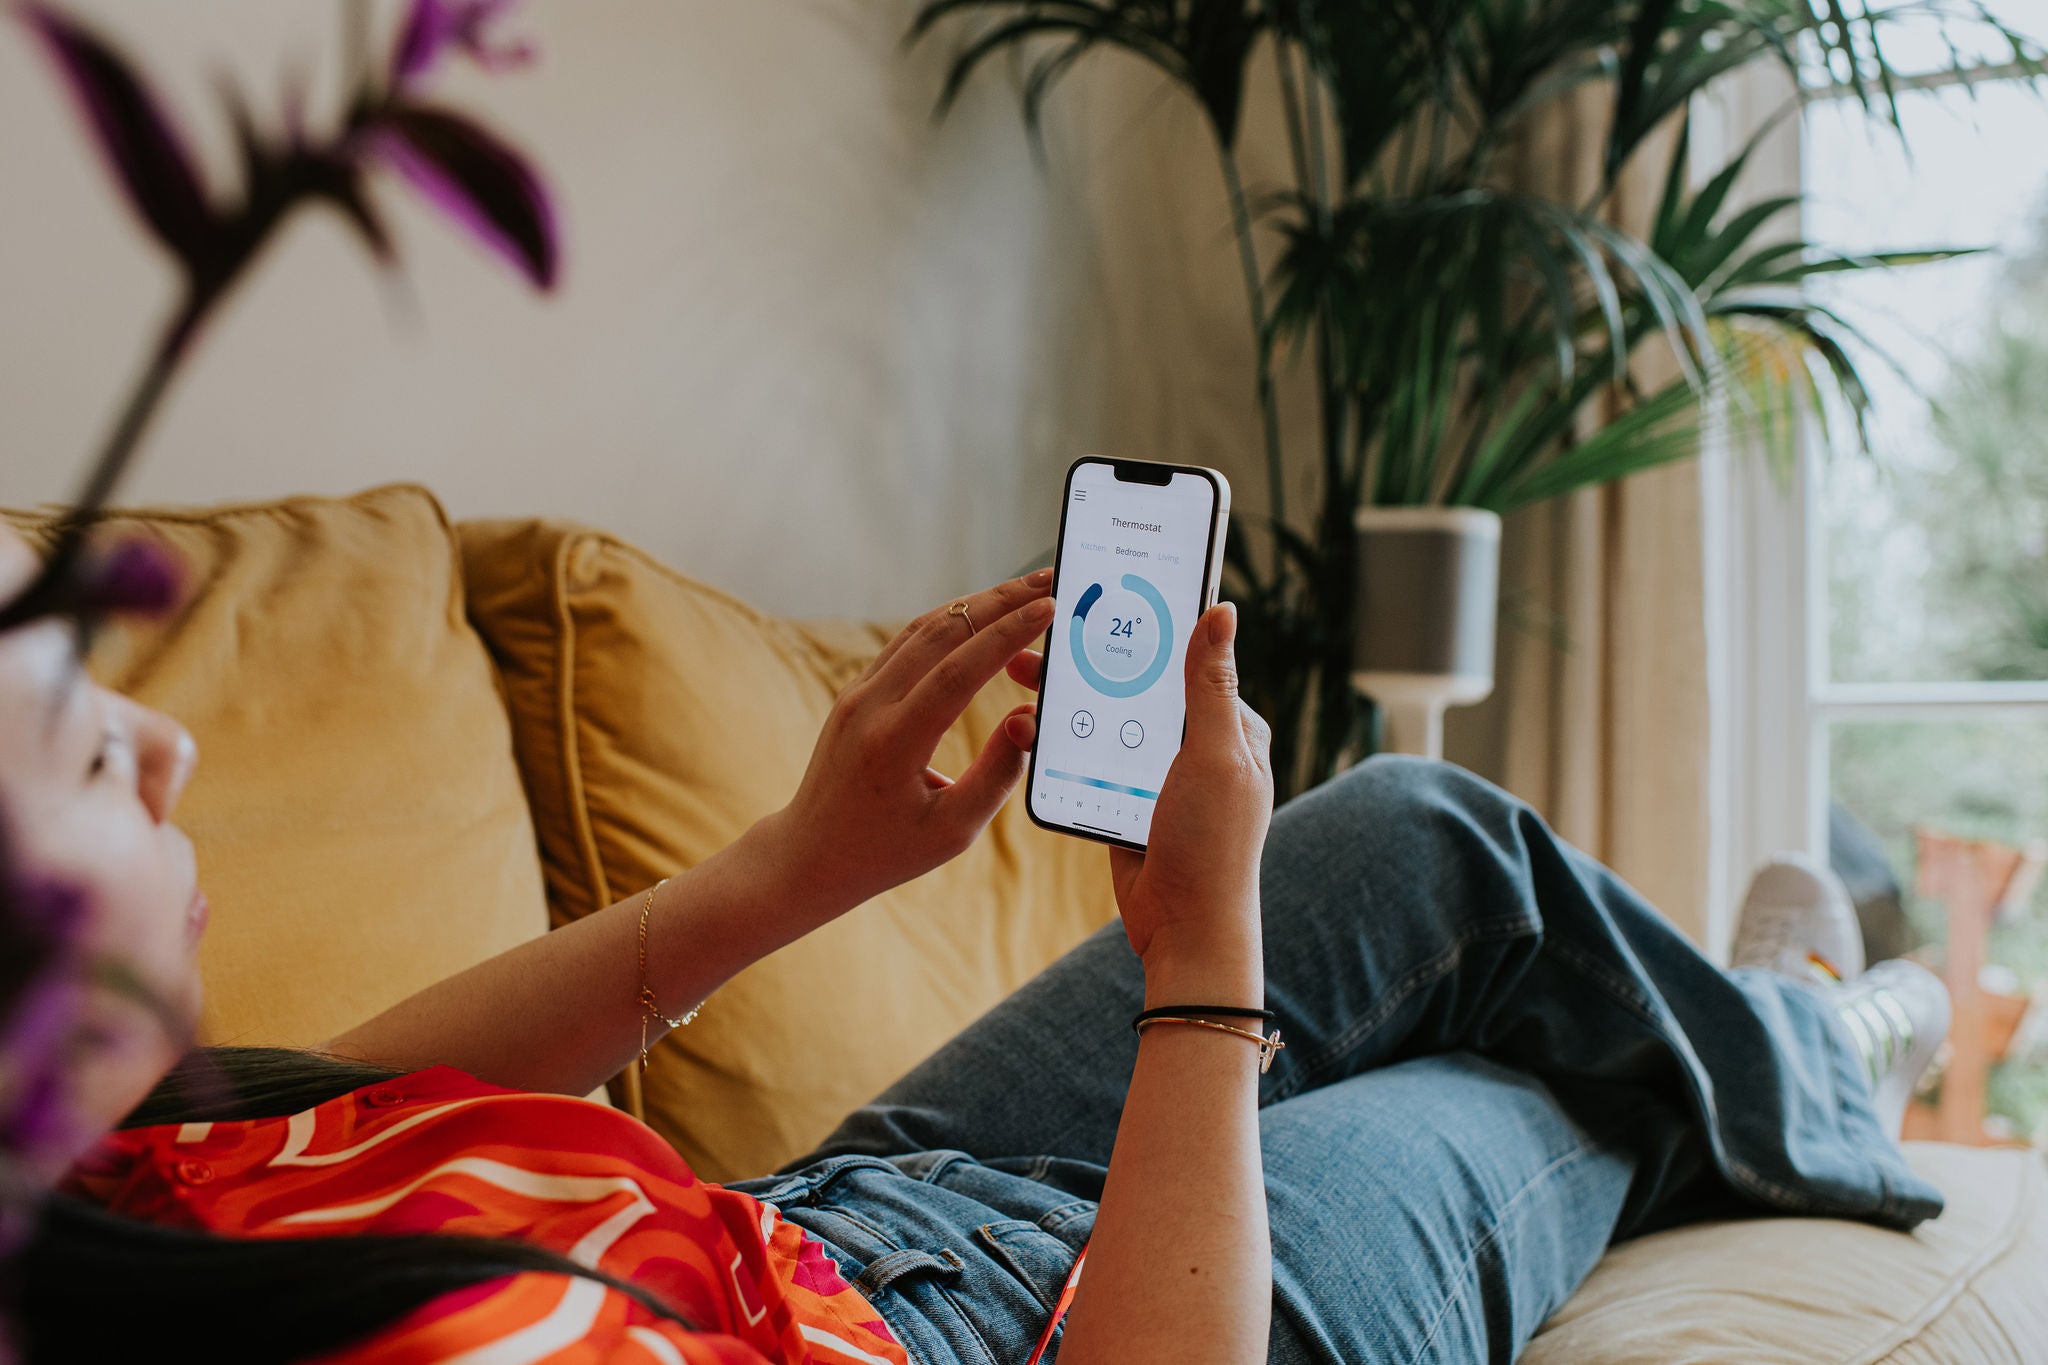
x: 1781, y: 702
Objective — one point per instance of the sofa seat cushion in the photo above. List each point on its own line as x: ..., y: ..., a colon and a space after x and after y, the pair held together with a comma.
x: 360, y: 825
x: 656, y: 719
x: 1971, y: 1285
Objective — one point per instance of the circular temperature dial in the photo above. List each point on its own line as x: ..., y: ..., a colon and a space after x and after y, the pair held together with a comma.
x: 1121, y: 637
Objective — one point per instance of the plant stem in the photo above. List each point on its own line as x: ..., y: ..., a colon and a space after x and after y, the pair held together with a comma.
x: 142, y: 402
x: 1336, y: 703
x: 1255, y: 293
x: 47, y: 592
x: 1290, y: 104
x: 1318, y: 158
x: 1336, y: 405
x: 1401, y: 185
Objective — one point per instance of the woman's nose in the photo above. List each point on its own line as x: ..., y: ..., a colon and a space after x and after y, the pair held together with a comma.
x: 165, y: 754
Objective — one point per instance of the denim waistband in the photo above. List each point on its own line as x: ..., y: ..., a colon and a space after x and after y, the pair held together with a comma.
x: 963, y: 1259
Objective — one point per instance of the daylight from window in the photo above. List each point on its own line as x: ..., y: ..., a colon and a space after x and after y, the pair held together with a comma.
x: 1933, y: 566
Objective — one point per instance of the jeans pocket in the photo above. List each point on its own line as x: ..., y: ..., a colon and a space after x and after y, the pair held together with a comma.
x: 960, y: 1281
x: 899, y: 1269
x: 1034, y: 1257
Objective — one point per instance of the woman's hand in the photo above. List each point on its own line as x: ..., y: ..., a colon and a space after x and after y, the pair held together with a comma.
x: 871, y: 813
x: 1190, y: 903
x: 563, y: 1011
x: 1185, y: 1186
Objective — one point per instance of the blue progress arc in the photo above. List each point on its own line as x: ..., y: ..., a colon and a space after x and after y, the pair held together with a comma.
x: 1133, y: 686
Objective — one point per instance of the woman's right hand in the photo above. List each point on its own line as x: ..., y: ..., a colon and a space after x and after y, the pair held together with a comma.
x: 1190, y: 904
x: 1185, y: 1186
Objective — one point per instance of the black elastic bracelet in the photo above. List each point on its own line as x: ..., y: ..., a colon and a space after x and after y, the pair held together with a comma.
x: 1197, y: 1011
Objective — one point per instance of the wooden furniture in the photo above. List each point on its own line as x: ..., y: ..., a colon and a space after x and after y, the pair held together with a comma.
x: 1978, y: 882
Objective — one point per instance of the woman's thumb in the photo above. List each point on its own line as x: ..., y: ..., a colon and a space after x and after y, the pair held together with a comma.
x: 1212, y: 673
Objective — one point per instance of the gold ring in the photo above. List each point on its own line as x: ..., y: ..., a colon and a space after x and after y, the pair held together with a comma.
x: 959, y: 609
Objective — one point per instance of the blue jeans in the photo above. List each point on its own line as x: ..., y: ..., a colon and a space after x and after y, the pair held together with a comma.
x: 1499, y: 1060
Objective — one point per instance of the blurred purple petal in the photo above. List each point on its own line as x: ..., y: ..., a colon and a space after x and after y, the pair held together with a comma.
x: 37, y: 1120
x: 53, y: 911
x: 138, y: 577
x: 435, y: 26
x: 133, y: 131
x: 41, y: 921
x: 41, y: 997
x: 478, y: 181
x: 39, y: 1020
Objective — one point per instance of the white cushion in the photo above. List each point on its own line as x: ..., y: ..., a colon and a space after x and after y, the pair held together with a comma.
x: 1970, y: 1286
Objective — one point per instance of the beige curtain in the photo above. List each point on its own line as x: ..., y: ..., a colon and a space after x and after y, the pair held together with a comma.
x: 1600, y: 715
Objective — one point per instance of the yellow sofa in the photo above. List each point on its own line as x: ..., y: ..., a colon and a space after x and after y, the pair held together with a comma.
x: 423, y: 742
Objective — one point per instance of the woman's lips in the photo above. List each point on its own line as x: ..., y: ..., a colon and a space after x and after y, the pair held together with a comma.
x: 196, y: 915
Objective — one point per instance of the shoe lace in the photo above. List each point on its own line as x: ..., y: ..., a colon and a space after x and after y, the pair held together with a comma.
x: 1882, y: 1027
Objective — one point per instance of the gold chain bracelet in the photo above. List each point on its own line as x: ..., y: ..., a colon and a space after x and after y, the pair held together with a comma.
x: 649, y: 1010
x: 1268, y: 1047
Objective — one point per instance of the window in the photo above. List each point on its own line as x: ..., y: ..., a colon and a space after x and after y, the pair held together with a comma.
x: 1921, y: 702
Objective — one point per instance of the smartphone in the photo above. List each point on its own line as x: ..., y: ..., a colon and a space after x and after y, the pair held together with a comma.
x: 1140, y: 558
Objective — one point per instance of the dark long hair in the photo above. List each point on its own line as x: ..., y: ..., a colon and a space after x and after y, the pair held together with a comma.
x: 95, y: 1286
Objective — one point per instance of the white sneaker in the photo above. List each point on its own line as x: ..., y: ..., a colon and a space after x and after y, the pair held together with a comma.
x: 1898, y: 1014
x: 1796, y: 911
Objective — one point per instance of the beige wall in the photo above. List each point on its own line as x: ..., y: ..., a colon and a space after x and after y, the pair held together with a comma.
x: 809, y: 346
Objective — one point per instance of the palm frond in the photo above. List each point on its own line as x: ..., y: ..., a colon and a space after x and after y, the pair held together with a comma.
x: 1808, y: 260
x: 1203, y: 45
x: 1379, y: 62
x: 1504, y: 433
x: 1656, y: 431
x: 1816, y: 335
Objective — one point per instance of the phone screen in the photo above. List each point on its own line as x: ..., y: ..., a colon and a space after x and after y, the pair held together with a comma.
x: 1139, y: 553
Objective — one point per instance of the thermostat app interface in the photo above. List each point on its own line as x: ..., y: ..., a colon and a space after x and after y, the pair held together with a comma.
x: 1133, y: 565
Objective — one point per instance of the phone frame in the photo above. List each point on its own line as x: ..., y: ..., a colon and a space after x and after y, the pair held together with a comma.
x: 1212, y: 582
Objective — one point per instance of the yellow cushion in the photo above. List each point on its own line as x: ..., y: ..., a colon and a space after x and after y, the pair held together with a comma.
x: 655, y: 720
x: 360, y: 823
x: 1798, y: 1291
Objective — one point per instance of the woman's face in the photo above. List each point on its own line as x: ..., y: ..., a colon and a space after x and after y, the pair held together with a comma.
x: 88, y: 781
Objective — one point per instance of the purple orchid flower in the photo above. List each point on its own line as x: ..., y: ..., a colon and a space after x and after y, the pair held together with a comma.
x: 436, y: 26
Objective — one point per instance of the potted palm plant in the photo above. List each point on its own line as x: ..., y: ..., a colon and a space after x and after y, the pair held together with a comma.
x: 1460, y: 328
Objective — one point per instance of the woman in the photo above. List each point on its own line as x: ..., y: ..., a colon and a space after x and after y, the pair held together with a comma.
x: 1497, y: 1060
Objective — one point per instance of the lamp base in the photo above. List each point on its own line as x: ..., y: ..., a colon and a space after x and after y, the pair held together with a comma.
x: 1428, y: 596
x: 1412, y: 706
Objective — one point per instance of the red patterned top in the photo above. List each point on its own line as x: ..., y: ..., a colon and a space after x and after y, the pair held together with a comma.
x: 440, y: 1151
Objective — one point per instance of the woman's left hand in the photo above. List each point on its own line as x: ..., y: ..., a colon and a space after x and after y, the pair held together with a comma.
x: 871, y: 813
